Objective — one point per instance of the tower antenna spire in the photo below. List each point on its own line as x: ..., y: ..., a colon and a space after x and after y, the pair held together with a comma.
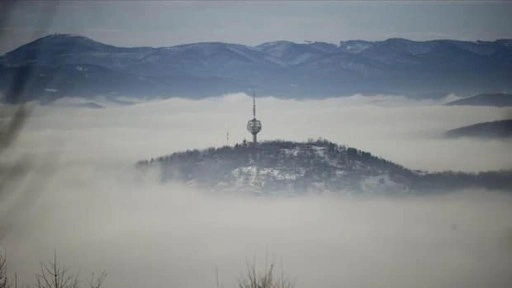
x: 253, y: 105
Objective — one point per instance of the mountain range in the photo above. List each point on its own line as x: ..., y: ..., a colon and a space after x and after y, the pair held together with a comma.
x: 294, y: 168
x: 68, y: 65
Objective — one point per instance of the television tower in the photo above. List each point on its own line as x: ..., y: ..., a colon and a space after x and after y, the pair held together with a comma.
x: 254, y: 125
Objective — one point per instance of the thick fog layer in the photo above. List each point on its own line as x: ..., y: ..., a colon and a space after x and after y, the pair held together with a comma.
x: 87, y: 202
x: 404, y: 131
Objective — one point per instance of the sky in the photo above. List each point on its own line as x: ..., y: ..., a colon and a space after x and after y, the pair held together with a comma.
x: 167, y: 23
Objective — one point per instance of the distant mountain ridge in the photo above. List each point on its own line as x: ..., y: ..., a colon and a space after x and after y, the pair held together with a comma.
x: 486, y: 99
x: 293, y: 168
x: 70, y: 65
x: 487, y: 130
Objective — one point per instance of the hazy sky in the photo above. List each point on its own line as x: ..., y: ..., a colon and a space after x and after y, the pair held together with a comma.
x: 165, y: 23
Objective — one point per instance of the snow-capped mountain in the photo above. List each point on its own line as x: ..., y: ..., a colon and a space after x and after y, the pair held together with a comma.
x: 355, y: 46
x: 290, y: 168
x: 288, y: 53
x: 71, y: 65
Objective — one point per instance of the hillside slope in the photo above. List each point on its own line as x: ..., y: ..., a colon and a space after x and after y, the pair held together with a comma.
x: 490, y: 130
x: 291, y: 168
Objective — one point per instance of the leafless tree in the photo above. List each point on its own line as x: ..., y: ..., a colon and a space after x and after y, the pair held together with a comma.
x: 54, y: 275
x: 97, y: 282
x: 266, y: 278
x: 4, y: 283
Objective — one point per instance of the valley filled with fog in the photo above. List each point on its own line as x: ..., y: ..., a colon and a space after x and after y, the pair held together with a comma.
x: 84, y: 198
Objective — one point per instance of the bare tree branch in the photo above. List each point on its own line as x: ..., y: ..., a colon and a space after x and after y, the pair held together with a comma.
x: 4, y: 283
x: 97, y: 282
x: 54, y: 275
x: 252, y: 278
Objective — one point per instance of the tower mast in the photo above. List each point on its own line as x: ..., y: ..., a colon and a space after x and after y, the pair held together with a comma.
x: 253, y: 105
x: 254, y: 125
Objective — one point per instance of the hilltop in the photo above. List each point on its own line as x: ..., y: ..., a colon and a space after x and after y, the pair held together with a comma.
x: 291, y: 168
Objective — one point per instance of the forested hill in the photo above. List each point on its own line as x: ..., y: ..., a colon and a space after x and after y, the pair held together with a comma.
x: 284, y: 168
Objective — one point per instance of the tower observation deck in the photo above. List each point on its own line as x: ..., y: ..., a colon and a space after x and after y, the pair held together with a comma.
x: 254, y: 125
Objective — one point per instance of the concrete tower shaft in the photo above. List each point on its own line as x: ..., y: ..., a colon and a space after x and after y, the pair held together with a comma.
x: 254, y: 125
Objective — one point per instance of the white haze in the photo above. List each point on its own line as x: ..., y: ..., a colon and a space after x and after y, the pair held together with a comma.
x: 88, y: 202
